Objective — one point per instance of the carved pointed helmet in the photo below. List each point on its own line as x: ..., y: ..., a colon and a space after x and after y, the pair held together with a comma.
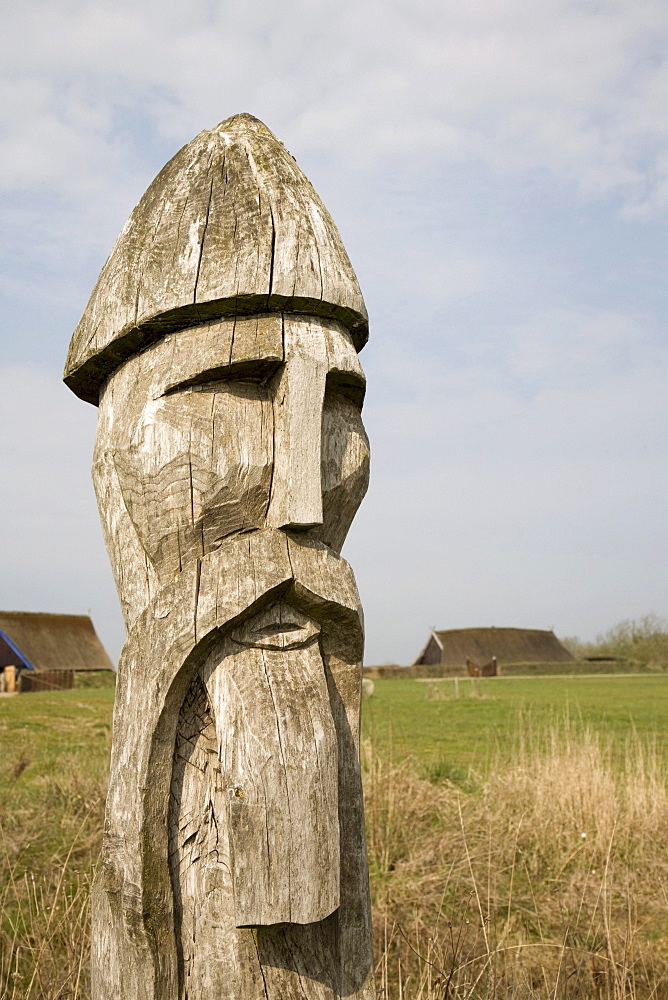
x: 230, y: 226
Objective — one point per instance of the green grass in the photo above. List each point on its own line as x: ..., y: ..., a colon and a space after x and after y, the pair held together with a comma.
x: 54, y: 759
x: 47, y: 727
x: 423, y: 719
x: 53, y: 746
x: 526, y: 824
x: 47, y: 735
x: 531, y: 818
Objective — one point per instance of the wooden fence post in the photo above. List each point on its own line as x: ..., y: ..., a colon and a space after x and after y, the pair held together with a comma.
x: 221, y: 343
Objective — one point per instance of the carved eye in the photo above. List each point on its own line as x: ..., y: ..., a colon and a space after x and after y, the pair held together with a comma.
x: 346, y: 385
x: 256, y: 372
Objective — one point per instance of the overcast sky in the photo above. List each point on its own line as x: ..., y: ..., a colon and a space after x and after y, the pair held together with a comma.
x: 498, y: 170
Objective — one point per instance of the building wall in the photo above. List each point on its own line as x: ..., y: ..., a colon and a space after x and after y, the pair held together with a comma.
x: 54, y: 680
x: 432, y: 653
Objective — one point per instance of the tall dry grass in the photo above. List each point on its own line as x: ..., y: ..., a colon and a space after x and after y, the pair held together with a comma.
x: 49, y: 842
x: 546, y: 878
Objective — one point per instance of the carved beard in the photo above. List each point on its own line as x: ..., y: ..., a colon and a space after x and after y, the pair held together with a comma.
x: 256, y: 745
x: 245, y: 672
x: 254, y: 821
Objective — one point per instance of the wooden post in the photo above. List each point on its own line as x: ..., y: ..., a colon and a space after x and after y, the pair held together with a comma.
x: 221, y: 344
x: 10, y: 679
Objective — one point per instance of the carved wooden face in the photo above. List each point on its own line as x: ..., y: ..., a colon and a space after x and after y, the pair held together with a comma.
x: 235, y: 426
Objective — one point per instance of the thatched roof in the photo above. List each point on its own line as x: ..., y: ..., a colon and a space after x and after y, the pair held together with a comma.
x: 51, y: 642
x: 508, y: 645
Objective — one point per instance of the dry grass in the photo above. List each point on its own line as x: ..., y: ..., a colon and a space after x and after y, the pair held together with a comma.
x: 48, y: 845
x: 547, y: 879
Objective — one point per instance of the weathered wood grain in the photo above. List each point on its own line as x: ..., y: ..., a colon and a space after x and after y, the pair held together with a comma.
x: 197, y: 439
x: 163, y: 652
x: 229, y: 463
x: 198, y: 849
x: 296, y: 500
x: 230, y: 226
x: 278, y: 754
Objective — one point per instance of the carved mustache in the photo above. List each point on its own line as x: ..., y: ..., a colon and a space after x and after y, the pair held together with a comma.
x: 268, y: 588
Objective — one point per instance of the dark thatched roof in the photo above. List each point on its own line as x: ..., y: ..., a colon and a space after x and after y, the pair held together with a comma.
x: 508, y: 645
x: 51, y: 642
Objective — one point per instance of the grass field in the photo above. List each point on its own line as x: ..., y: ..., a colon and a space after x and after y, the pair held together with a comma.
x: 518, y: 838
x: 423, y: 719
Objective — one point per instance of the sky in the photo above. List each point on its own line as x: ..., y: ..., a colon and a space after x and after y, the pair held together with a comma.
x: 498, y: 170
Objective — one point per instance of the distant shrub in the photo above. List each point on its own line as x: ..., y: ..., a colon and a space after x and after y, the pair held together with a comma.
x: 95, y: 679
x: 576, y: 646
x: 641, y: 641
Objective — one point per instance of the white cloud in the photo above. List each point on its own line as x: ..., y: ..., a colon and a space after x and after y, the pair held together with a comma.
x: 516, y: 422
x: 576, y: 89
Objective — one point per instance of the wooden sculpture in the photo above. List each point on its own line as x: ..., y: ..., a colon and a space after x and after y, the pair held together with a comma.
x: 221, y: 344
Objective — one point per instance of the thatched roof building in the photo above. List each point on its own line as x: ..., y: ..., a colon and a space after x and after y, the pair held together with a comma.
x: 454, y: 647
x: 49, y: 643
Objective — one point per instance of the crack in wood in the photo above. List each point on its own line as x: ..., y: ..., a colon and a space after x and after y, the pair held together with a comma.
x: 221, y: 343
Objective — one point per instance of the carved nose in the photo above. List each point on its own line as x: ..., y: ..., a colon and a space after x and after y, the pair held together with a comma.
x: 303, y: 499
x: 296, y: 494
x: 298, y: 490
x: 305, y: 510
x: 304, y: 460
